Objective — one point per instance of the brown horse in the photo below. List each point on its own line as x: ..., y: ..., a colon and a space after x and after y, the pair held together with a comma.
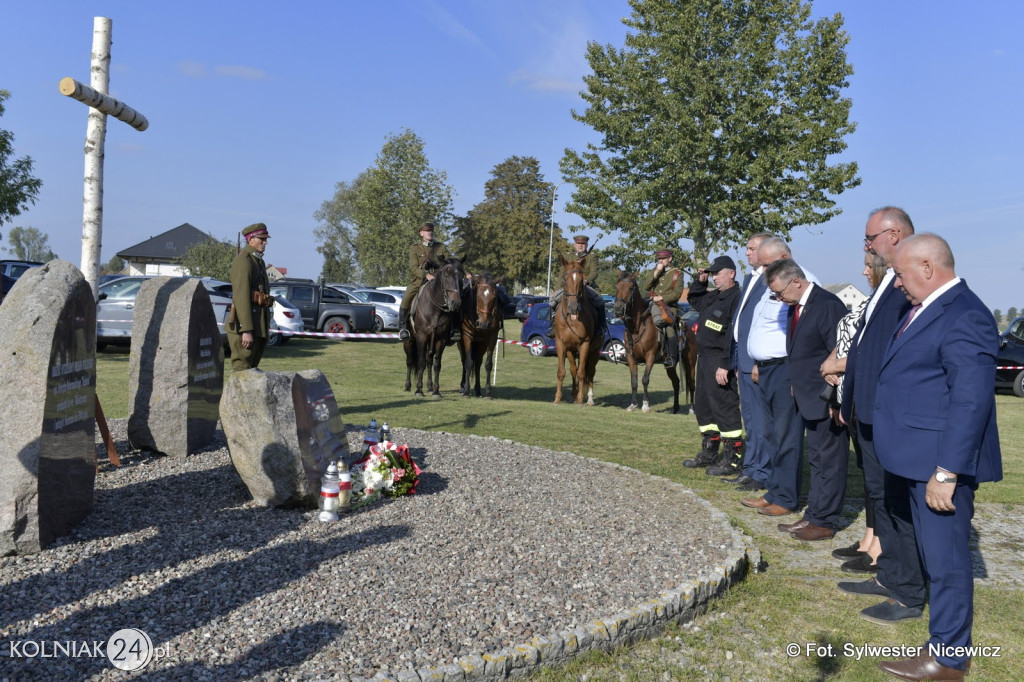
x: 481, y: 321
x: 431, y: 322
x: 641, y: 339
x: 573, y: 327
x: 687, y: 336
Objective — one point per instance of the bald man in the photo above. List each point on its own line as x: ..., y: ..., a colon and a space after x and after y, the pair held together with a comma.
x: 935, y: 432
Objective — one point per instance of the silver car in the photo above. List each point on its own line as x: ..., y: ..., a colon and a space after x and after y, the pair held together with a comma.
x: 386, y: 303
x: 115, y: 310
x: 287, y: 315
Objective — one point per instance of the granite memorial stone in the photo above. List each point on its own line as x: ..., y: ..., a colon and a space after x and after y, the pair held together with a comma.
x: 176, y: 367
x: 47, y: 407
x: 282, y: 429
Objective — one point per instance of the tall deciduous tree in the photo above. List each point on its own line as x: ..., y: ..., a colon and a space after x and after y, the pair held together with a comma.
x: 509, y: 231
x: 18, y: 187
x: 334, y: 234
x: 114, y: 266
x: 28, y: 243
x: 718, y: 119
x: 210, y: 258
x: 383, y: 207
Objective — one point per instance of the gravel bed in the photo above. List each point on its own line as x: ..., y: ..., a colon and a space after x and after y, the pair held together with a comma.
x: 502, y: 543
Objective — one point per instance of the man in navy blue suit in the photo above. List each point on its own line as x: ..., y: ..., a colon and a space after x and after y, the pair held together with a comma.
x: 814, y: 313
x: 900, y: 577
x: 935, y: 431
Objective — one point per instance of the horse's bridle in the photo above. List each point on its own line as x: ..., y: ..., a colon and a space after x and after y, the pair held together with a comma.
x: 446, y: 303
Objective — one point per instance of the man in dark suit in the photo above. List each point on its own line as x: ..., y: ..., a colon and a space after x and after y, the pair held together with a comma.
x: 935, y: 427
x: 813, y: 315
x: 900, y: 577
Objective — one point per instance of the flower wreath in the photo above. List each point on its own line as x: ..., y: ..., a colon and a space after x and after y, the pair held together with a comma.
x: 387, y: 469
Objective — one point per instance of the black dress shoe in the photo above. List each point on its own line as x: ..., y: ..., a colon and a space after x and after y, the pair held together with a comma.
x: 851, y: 552
x: 861, y: 564
x: 753, y: 485
x: 890, y: 612
x: 742, y: 479
x: 869, y: 586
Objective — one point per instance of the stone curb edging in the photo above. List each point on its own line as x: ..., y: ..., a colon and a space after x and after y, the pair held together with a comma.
x: 643, y: 621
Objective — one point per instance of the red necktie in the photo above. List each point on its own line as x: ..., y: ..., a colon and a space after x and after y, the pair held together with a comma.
x: 796, y: 318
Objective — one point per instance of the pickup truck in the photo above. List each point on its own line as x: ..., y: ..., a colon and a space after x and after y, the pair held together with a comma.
x: 325, y: 309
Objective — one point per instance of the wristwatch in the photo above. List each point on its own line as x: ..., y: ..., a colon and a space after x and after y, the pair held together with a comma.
x: 943, y: 477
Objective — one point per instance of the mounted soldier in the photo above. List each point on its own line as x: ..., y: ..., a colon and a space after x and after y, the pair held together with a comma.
x: 664, y: 288
x: 424, y: 257
x: 588, y: 261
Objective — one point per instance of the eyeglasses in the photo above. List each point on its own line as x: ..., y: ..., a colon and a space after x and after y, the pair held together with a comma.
x: 869, y: 240
x: 777, y: 295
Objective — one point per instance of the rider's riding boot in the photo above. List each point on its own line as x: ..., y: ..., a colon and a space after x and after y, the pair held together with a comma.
x: 456, y: 333
x: 708, y: 451
x: 729, y: 463
x: 671, y: 351
x: 403, y: 324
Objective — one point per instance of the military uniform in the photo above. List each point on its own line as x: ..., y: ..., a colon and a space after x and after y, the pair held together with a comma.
x: 249, y: 277
x: 589, y: 273
x: 669, y: 284
x: 420, y: 257
x: 716, y: 407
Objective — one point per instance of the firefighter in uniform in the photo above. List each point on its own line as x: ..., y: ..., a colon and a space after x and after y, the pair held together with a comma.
x: 422, y: 258
x: 665, y: 287
x: 578, y: 253
x: 716, y: 403
x: 249, y: 320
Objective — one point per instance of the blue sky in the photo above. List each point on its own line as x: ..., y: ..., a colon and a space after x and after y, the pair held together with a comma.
x: 256, y: 111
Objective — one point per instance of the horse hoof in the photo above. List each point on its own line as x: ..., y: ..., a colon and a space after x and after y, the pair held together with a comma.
x: 631, y: 408
x: 418, y: 393
x: 435, y: 396
x: 646, y: 408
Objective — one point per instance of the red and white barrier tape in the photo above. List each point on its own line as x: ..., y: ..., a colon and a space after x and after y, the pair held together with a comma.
x: 1018, y: 367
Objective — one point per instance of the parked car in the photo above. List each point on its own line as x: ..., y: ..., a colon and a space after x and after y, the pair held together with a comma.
x: 1011, y: 354
x: 11, y: 270
x: 537, y: 333
x: 286, y: 315
x: 385, y: 301
x: 524, y: 304
x: 115, y: 310
x: 325, y: 308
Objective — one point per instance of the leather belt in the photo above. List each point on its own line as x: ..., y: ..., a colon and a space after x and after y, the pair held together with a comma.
x: 768, y: 363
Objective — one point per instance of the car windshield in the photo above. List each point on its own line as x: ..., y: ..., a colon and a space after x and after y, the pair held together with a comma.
x: 121, y: 288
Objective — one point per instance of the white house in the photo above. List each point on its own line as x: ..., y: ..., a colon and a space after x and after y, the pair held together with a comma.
x: 850, y: 295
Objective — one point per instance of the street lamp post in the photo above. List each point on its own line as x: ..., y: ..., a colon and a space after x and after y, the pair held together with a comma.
x: 551, y: 233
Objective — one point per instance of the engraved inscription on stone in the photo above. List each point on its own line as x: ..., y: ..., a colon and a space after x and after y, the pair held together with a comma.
x: 47, y: 407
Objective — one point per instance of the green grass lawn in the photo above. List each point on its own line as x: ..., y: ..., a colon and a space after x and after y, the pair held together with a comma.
x: 745, y: 634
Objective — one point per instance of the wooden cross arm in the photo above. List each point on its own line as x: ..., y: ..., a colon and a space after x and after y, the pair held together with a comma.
x: 104, y: 103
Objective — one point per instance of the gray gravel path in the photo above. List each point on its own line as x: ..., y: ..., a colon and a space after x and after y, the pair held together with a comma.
x: 503, y: 542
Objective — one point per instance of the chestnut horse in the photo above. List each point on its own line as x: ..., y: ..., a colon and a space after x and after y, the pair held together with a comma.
x: 687, y: 335
x: 573, y: 328
x: 431, y: 322
x: 481, y: 321
x: 641, y: 339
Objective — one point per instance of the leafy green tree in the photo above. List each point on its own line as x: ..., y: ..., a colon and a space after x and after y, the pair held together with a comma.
x: 718, y: 119
x: 383, y: 207
x: 1011, y: 314
x: 998, y: 314
x: 335, y: 230
x: 28, y: 243
x: 508, y: 233
x: 18, y: 188
x: 210, y: 258
x: 114, y: 266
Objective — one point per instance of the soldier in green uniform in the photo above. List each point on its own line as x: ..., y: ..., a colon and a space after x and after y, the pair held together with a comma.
x: 665, y: 287
x: 249, y: 321
x: 422, y: 256
x: 579, y: 251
